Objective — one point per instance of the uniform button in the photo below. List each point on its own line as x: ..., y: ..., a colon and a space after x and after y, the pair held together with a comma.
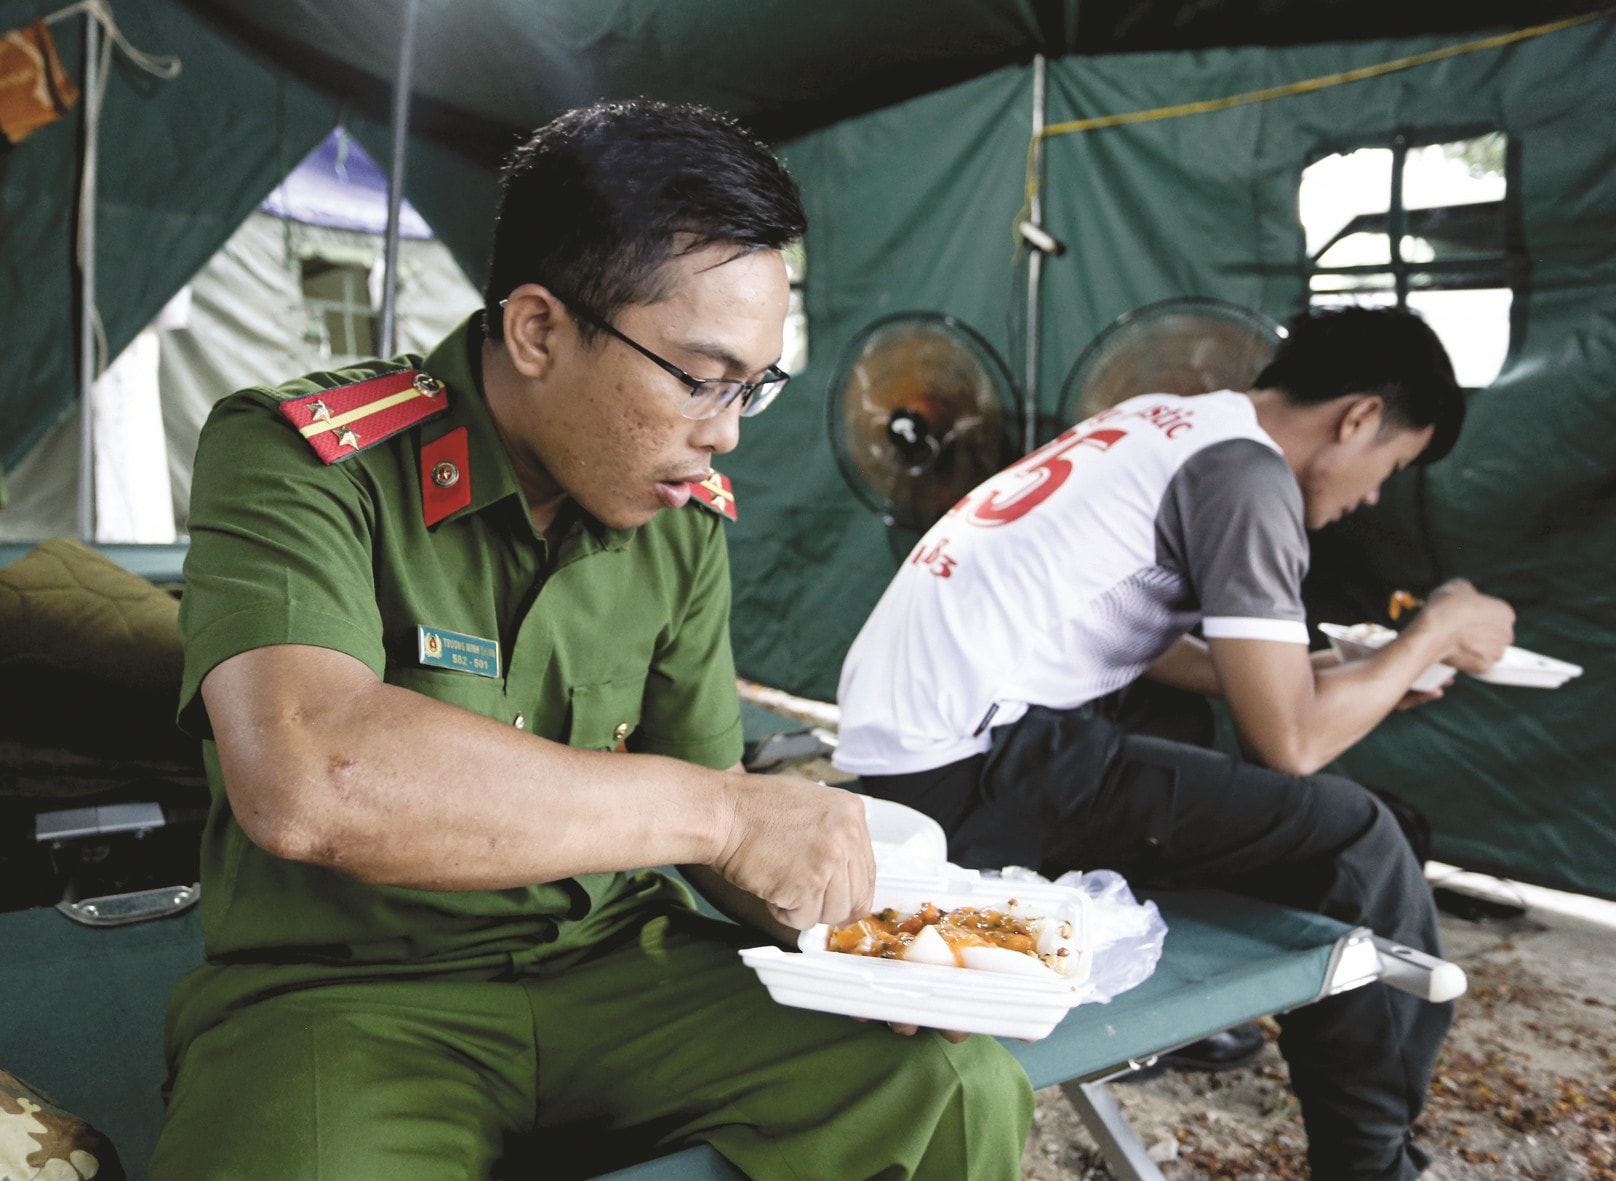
x: 446, y: 475
x: 621, y: 732
x: 430, y: 386
x: 520, y: 722
x: 1153, y: 842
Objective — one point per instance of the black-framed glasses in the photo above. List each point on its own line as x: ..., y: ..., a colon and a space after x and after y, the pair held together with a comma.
x: 709, y: 396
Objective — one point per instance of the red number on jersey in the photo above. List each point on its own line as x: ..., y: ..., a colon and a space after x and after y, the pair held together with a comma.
x: 1046, y: 469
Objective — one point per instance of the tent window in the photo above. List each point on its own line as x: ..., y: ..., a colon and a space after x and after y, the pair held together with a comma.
x: 1420, y: 227
x: 341, y: 320
x: 794, y: 354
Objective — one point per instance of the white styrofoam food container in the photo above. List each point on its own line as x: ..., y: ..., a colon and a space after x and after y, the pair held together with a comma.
x: 1516, y: 667
x: 928, y: 995
x: 1520, y: 667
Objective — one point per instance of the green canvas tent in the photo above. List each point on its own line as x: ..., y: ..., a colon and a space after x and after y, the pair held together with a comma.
x: 908, y: 125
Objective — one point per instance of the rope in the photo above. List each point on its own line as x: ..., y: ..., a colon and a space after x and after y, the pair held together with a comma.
x: 1306, y: 86
x: 165, y: 66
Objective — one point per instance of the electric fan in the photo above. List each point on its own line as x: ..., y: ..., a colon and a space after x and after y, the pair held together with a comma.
x: 1178, y: 346
x: 918, y: 414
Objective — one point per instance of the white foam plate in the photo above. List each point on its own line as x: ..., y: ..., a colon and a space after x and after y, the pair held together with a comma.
x: 929, y: 995
x: 1516, y: 667
x: 1520, y: 667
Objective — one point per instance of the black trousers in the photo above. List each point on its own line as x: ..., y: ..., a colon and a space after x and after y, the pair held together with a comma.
x: 1078, y: 789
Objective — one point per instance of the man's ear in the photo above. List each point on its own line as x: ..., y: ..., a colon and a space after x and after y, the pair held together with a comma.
x: 1362, y: 412
x: 530, y: 317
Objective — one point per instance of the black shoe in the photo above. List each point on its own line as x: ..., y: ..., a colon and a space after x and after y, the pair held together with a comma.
x: 1221, y: 1051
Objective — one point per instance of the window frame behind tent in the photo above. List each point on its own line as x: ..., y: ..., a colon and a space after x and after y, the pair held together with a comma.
x: 1461, y: 264
x: 794, y: 349
x: 349, y: 313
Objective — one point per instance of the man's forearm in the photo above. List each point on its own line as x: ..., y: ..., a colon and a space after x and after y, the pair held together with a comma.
x: 1296, y: 713
x: 323, y: 763
x: 389, y: 786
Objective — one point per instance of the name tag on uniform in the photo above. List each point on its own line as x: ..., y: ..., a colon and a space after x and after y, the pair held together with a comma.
x: 452, y: 650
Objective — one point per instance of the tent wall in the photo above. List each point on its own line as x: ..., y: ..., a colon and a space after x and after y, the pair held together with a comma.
x: 179, y: 171
x: 182, y: 164
x: 909, y: 208
x: 913, y: 208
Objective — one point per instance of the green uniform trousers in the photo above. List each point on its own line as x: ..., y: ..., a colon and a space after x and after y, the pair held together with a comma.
x: 573, y: 1066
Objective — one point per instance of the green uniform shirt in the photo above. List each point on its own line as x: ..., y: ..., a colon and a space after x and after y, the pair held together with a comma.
x: 610, y: 634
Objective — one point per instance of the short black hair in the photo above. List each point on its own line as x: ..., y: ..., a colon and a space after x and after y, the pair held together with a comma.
x: 600, y: 198
x: 1334, y: 351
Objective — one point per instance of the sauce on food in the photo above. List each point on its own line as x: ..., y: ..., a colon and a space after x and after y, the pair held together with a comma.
x: 886, y: 934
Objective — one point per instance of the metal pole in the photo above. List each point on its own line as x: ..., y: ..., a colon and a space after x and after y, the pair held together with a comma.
x: 1035, y: 264
x: 395, y: 181
x: 86, y: 259
x: 1397, y: 219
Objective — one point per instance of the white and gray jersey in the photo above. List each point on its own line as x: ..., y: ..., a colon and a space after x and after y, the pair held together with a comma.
x: 1066, y: 575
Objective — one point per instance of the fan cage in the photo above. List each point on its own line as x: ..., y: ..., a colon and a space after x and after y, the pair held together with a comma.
x: 918, y: 414
x: 1187, y: 346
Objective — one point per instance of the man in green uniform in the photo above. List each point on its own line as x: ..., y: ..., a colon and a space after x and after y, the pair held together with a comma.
x: 459, y: 656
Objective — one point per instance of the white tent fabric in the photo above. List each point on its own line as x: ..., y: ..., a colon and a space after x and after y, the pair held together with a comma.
x: 246, y: 325
x: 132, y: 502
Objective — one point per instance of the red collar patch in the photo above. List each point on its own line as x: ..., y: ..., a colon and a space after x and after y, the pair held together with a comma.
x: 445, y: 476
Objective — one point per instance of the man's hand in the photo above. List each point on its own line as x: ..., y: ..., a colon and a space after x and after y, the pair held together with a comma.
x: 801, y: 847
x: 1415, y: 698
x: 951, y: 1035
x: 1478, y: 627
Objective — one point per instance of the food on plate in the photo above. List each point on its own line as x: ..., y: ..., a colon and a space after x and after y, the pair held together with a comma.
x: 1369, y: 633
x: 1400, y: 601
x: 1007, y: 940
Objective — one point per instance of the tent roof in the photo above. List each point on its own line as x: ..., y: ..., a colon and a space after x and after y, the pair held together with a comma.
x: 488, y: 70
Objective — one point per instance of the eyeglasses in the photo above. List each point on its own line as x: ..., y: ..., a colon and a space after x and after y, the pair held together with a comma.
x: 709, y: 396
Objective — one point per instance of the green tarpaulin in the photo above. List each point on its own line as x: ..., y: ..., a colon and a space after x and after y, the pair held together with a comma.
x: 908, y: 126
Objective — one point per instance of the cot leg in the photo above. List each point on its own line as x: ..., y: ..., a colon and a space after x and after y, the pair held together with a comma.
x: 1105, y: 1122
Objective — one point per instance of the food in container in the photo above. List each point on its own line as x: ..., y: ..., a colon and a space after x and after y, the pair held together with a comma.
x: 1017, y: 997
x: 1010, y: 939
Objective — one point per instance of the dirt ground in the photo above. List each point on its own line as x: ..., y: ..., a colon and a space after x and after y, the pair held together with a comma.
x: 1525, y: 1089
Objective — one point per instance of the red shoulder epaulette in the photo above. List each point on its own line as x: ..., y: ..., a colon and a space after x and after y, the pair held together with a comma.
x: 715, y: 493
x: 346, y: 420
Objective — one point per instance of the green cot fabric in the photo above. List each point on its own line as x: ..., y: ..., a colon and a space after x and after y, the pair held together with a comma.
x: 1227, y: 959
x: 627, y: 634
x: 82, y: 1016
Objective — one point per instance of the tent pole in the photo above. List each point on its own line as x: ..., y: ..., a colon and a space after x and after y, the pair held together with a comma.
x: 86, y: 259
x: 1035, y: 264
x: 395, y: 181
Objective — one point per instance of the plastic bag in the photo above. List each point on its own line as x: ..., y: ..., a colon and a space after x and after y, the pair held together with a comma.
x: 1128, y: 934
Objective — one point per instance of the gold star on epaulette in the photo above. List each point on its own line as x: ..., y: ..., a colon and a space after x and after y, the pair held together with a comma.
x: 347, y: 419
x: 714, y: 483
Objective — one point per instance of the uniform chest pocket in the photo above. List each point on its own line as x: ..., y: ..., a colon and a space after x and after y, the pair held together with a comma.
x: 602, y: 716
